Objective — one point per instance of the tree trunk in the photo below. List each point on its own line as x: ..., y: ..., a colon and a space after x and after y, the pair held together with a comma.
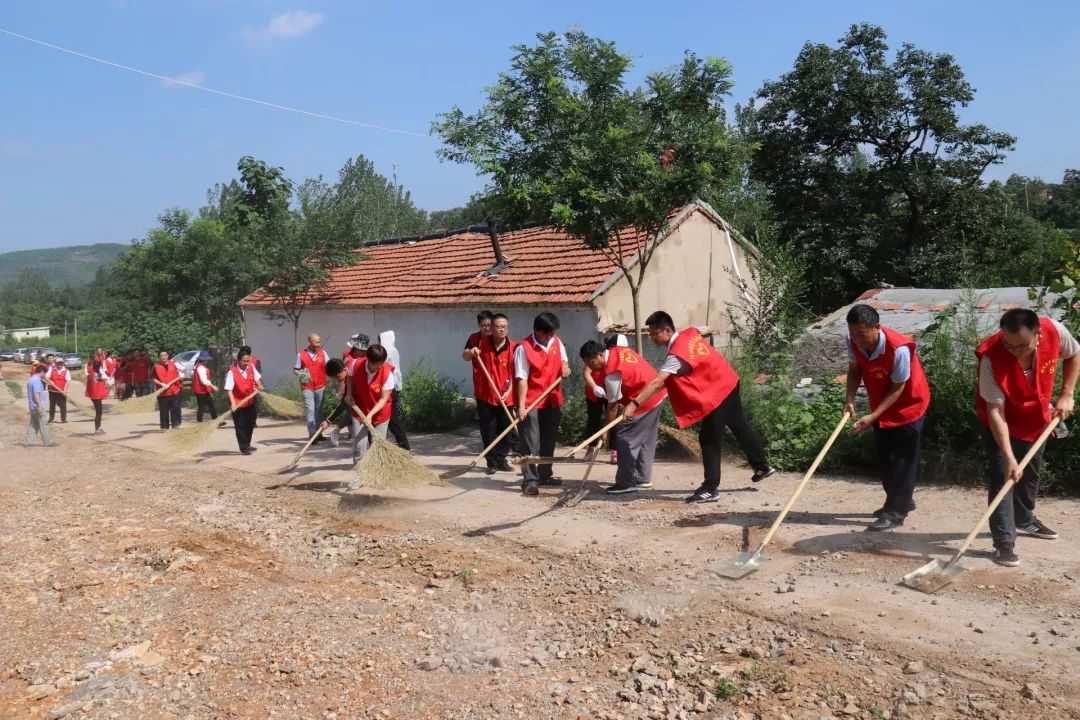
x: 638, y: 343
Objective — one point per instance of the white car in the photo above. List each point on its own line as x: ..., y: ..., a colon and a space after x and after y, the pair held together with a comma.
x: 185, y: 362
x: 72, y: 362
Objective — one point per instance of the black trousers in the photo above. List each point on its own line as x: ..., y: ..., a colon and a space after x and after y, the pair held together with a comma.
x: 711, y: 436
x: 205, y: 406
x: 898, y: 451
x: 537, y: 435
x: 397, y: 423
x: 596, y: 418
x: 1018, y: 507
x: 57, y: 400
x: 169, y: 411
x: 244, y: 425
x: 98, y: 408
x: 493, y: 421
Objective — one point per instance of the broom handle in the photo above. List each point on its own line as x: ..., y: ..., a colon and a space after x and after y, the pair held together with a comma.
x: 494, y: 388
x: 515, y: 423
x: 802, y: 483
x: 1005, y: 488
x: 164, y: 387
x: 234, y: 408
x: 598, y: 433
x: 311, y: 440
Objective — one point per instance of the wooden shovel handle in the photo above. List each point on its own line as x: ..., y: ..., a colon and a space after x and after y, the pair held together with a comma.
x: 618, y: 419
x: 517, y: 421
x: 494, y: 388
x: 1005, y: 488
x: 802, y: 483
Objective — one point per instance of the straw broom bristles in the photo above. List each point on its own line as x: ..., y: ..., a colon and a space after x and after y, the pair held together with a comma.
x: 283, y: 407
x: 684, y: 438
x: 71, y: 401
x: 385, y: 465
x: 143, y: 404
x: 189, y: 438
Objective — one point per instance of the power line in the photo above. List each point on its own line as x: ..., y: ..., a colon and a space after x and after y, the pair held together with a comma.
x: 196, y: 86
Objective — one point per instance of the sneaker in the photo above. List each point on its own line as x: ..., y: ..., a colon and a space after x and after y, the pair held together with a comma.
x: 551, y: 482
x: 504, y: 466
x: 614, y: 457
x: 99, y: 431
x: 531, y: 489
x: 591, y: 452
x: 1004, y: 555
x: 885, y: 521
x: 245, y: 451
x: 644, y: 485
x: 491, y: 470
x: 881, y: 510
x: 703, y: 495
x: 335, y: 437
x: 621, y: 489
x: 760, y: 475
x: 1037, y: 529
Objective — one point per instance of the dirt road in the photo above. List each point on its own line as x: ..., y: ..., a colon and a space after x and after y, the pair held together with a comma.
x: 137, y: 585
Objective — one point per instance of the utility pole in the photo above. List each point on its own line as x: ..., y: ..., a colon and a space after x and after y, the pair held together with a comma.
x: 76, y: 334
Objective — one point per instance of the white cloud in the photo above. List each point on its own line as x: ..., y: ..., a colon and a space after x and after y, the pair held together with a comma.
x: 293, y: 23
x: 195, y: 77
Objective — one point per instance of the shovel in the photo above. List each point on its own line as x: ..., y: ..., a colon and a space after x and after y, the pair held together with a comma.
x: 744, y: 563
x: 935, y: 575
x: 462, y: 470
x: 569, y: 457
x: 307, y: 446
x: 582, y: 491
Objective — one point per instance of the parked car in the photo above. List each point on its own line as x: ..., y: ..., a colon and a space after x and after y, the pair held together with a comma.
x: 72, y: 361
x: 32, y: 354
x: 20, y: 354
x: 47, y: 351
x: 185, y: 362
x: 7, y: 354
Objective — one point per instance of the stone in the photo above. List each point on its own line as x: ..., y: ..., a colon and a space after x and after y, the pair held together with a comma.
x: 914, y: 667
x: 1031, y: 691
x: 431, y: 662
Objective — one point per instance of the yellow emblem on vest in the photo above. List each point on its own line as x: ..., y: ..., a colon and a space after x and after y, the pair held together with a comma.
x: 698, y: 346
x: 628, y: 357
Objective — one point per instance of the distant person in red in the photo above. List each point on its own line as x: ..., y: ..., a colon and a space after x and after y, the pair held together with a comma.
x: 96, y: 388
x: 241, y: 382
x: 887, y: 363
x: 1017, y: 371
x: 495, y: 352
x: 122, y: 378
x: 702, y: 388
x: 140, y: 373
x: 370, y: 391
x: 58, y: 377
x: 167, y: 379
x: 202, y: 387
x: 310, y: 368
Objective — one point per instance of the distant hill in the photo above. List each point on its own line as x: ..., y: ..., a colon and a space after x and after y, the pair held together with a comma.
x: 75, y: 265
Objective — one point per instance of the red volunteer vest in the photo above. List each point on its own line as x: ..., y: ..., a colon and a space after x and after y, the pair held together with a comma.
x: 123, y: 372
x: 96, y: 389
x: 545, y: 368
x: 167, y: 373
x: 35, y: 366
x: 59, y: 378
x: 316, y: 366
x: 499, y: 365
x: 481, y: 391
x: 140, y: 373
x: 366, y: 394
x: 636, y: 374
x: 243, y: 387
x: 198, y: 387
x: 1027, y: 407
x: 915, y: 398
x: 709, y: 382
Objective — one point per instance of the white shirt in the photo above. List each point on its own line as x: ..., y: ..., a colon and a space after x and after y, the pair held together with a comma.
x: 243, y: 373
x: 204, y: 374
x: 989, y: 389
x: 673, y: 364
x: 901, y: 369
x: 521, y: 360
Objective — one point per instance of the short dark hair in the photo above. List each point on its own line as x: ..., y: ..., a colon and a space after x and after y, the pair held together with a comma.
x: 546, y: 322
x: 484, y: 315
x: 39, y: 368
x: 500, y: 316
x: 591, y: 349
x: 863, y: 314
x: 49, y: 355
x: 376, y: 353
x: 660, y: 319
x: 1019, y: 318
x: 245, y: 350
x: 334, y: 366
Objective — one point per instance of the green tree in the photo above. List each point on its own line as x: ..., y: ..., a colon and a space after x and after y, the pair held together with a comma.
x: 563, y: 139
x: 867, y: 163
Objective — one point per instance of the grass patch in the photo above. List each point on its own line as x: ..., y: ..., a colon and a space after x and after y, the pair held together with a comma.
x: 14, y: 388
x: 726, y: 689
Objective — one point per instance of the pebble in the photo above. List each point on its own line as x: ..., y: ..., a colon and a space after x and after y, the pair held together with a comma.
x: 431, y: 662
x: 914, y: 667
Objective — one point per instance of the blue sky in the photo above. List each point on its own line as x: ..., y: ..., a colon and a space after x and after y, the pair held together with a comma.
x: 89, y: 153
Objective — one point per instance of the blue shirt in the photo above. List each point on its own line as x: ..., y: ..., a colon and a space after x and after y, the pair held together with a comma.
x: 901, y: 369
x: 35, y: 388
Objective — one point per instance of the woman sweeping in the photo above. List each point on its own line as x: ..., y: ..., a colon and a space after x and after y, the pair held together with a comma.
x: 97, y: 389
x: 241, y: 383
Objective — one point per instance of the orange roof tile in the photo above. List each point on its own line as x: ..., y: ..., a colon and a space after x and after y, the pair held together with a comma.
x: 545, y: 265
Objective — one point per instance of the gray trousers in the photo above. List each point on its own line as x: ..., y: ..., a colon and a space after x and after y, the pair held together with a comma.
x: 39, y: 425
x: 362, y: 437
x: 1018, y: 507
x: 313, y: 409
x: 636, y: 443
x: 537, y: 434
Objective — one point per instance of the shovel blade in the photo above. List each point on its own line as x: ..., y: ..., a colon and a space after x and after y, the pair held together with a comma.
x: 287, y: 469
x: 740, y: 565
x: 576, y: 497
x: 932, y: 576
x: 456, y: 473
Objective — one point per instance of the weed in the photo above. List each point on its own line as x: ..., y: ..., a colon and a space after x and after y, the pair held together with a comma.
x: 465, y: 575
x: 726, y: 689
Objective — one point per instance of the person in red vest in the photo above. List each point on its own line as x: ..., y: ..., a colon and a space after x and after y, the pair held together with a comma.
x: 495, y: 352
x: 539, y: 360
x: 369, y: 390
x: 202, y: 387
x: 623, y: 374
x: 597, y: 405
x: 484, y: 320
x: 44, y: 363
x: 167, y: 376
x: 310, y: 367
x: 140, y: 373
x: 1017, y: 369
x: 241, y: 383
x: 122, y: 378
x: 887, y: 363
x: 702, y: 388
x: 58, y: 377
x: 97, y: 389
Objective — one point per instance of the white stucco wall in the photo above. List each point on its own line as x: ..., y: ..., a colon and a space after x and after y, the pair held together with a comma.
x: 437, y: 334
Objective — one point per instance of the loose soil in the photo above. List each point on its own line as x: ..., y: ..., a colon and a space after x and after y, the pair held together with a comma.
x: 137, y: 584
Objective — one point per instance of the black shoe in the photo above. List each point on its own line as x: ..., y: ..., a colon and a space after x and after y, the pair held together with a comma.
x: 760, y: 475
x: 885, y: 521
x: 551, y: 482
x: 531, y: 489
x: 703, y: 495
x: 1004, y: 555
x: 621, y: 489
x: 504, y: 466
x: 1037, y: 529
x: 245, y: 451
x: 491, y: 470
x: 881, y: 510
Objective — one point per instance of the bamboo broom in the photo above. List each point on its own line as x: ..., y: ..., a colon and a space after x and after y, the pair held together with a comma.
x: 143, y: 404
x: 71, y: 401
x: 189, y: 438
x: 385, y: 465
x: 283, y: 406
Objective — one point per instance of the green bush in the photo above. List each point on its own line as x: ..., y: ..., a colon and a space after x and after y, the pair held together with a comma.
x: 431, y: 401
